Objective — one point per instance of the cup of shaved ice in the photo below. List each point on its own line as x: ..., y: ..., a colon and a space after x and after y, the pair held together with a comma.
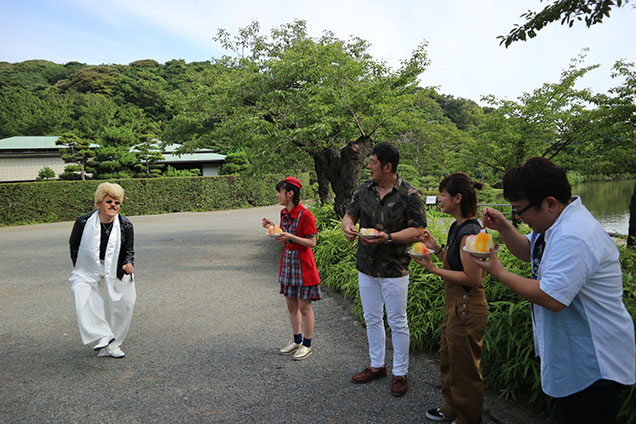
x: 479, y: 244
x: 419, y: 250
x: 274, y: 231
x: 368, y: 233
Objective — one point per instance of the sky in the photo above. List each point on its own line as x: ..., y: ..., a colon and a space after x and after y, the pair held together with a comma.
x: 466, y: 58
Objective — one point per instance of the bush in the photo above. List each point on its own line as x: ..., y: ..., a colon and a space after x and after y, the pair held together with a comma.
x: 509, y: 364
x: 45, y: 173
x: 53, y: 201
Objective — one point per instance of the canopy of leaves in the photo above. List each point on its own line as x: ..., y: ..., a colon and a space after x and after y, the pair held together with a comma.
x: 567, y: 11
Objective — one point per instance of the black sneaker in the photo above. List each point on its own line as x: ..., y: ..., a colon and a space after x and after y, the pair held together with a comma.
x: 436, y: 415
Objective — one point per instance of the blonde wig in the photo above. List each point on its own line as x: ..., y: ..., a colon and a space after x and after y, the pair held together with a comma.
x: 109, y: 189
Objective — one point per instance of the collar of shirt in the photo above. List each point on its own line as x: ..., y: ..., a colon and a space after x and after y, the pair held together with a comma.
x: 294, y: 212
x: 573, y: 206
x: 374, y: 185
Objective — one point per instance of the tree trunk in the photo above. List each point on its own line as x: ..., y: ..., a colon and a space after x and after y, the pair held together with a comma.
x: 341, y: 168
x: 631, y: 232
x: 321, y: 162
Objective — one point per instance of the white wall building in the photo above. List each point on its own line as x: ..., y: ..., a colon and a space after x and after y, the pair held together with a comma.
x: 22, y: 158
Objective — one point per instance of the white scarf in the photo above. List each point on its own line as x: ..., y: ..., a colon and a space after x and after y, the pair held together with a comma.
x: 87, y: 264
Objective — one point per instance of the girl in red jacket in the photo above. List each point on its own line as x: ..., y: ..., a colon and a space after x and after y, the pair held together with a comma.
x: 299, y: 279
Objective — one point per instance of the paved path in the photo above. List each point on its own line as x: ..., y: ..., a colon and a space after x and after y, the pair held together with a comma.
x: 203, y: 342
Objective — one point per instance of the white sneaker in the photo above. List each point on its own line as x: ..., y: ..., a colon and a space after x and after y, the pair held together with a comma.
x: 103, y: 342
x: 303, y: 352
x: 290, y: 348
x: 113, y: 351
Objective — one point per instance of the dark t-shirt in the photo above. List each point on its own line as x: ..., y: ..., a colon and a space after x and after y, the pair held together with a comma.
x: 455, y: 234
x: 103, y: 241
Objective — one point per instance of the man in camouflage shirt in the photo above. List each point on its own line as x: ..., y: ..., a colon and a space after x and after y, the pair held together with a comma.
x: 396, y: 210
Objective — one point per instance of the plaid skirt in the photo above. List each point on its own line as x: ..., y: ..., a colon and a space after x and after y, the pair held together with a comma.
x: 302, y: 292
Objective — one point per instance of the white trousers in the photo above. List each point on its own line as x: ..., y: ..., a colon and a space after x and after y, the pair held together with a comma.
x: 98, y: 315
x: 390, y: 293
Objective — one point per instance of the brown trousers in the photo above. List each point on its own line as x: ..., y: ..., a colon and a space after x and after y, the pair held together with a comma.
x: 463, y: 328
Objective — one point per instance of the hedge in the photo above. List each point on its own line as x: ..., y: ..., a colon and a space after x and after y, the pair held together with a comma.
x: 53, y: 201
x: 509, y: 365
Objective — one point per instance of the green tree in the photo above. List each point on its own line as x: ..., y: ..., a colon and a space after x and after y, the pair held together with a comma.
x: 79, y: 153
x: 464, y: 113
x: 593, y: 12
x: 551, y: 121
x: 235, y: 163
x: 45, y: 173
x: 567, y: 11
x: 148, y: 154
x: 173, y: 172
x: 324, y: 96
x: 114, y: 162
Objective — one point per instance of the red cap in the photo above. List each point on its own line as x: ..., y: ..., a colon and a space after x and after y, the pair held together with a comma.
x: 294, y: 181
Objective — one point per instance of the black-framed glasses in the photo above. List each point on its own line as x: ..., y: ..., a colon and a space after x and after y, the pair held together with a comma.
x: 522, y: 210
x: 117, y: 202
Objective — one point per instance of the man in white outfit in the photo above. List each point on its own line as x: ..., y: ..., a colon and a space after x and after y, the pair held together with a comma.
x: 102, y: 280
x: 396, y: 210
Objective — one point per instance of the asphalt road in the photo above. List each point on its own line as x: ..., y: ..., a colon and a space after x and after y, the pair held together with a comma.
x: 203, y: 342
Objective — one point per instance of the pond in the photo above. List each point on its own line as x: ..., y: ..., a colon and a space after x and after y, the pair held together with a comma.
x: 609, y: 202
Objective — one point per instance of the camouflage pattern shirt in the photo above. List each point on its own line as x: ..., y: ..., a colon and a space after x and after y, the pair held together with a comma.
x: 401, y: 208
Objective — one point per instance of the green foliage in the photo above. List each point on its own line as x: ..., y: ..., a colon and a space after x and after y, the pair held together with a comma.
x: 235, y: 163
x: 53, y: 201
x: 46, y: 173
x: 148, y: 153
x: 566, y: 11
x: 310, y: 97
x: 78, y: 153
x: 325, y: 215
x: 552, y: 121
x: 509, y: 364
x: 172, y: 172
x: 113, y: 162
x: 464, y: 113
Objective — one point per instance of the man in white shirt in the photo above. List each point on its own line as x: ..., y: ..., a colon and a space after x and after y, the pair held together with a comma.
x: 583, y: 333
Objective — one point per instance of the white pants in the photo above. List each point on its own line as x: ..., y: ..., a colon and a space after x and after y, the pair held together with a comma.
x: 98, y: 315
x: 376, y: 294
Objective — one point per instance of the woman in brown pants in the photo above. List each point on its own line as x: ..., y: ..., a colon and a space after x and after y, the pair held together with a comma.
x: 466, y: 310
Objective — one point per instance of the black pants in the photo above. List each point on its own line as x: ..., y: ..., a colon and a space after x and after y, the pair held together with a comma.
x: 598, y: 404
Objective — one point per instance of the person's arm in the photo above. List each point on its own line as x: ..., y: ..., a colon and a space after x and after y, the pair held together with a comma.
x: 303, y: 241
x: 349, y: 227
x: 471, y: 275
x: 75, y: 239
x: 128, y: 248
x: 405, y: 236
x: 526, y: 287
x: 517, y: 243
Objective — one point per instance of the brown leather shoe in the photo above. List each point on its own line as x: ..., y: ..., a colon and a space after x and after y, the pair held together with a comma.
x: 400, y: 386
x: 368, y: 374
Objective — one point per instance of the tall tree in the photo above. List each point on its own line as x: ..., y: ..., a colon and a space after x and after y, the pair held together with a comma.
x: 551, y: 121
x: 593, y: 12
x: 324, y: 96
x: 79, y: 153
x: 148, y: 154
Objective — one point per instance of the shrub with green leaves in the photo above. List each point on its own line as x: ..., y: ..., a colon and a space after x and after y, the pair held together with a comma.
x: 53, y: 201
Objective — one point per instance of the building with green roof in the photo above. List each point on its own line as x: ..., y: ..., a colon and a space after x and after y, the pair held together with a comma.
x: 22, y: 158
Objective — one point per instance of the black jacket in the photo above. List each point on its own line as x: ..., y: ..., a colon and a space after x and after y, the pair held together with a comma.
x: 126, y: 249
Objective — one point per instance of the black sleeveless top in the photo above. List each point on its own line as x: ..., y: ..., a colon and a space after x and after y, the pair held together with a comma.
x: 455, y: 234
